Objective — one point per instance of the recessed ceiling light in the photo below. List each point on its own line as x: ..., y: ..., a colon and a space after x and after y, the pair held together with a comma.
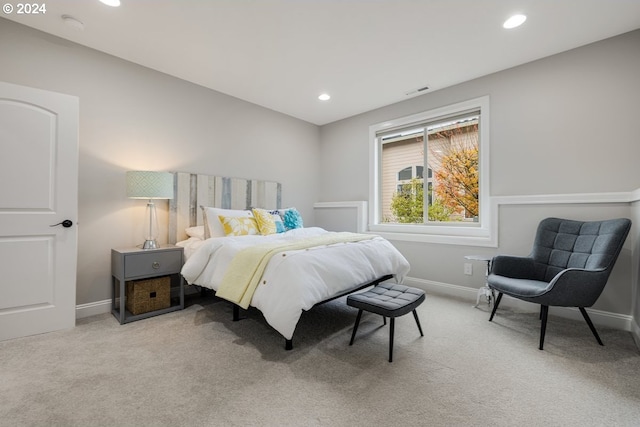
x: 324, y: 97
x: 112, y: 3
x: 72, y: 22
x: 514, y: 21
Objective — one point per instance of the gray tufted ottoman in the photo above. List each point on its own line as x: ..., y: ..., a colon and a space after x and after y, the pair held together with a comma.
x: 388, y: 300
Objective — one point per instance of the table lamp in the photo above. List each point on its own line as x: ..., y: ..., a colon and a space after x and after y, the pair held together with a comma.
x: 150, y: 185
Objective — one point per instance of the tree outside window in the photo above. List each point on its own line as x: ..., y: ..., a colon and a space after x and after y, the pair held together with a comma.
x: 452, y: 182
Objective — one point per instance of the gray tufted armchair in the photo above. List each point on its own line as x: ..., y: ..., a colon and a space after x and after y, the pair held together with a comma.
x: 568, y: 266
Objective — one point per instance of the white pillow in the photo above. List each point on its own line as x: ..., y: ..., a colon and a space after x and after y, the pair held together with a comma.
x: 213, y: 226
x: 197, y: 232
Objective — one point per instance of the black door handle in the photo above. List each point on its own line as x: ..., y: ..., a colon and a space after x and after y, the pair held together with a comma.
x: 66, y: 223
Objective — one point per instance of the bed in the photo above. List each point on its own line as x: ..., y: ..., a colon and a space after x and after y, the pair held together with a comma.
x: 288, y: 271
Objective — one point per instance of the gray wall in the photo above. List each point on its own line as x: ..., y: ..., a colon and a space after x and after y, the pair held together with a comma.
x: 134, y: 118
x: 561, y: 125
x: 565, y: 124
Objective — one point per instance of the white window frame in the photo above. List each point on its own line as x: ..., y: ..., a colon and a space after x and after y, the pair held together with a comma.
x: 473, y: 234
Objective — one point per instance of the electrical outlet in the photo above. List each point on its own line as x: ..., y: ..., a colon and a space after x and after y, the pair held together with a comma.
x: 468, y: 268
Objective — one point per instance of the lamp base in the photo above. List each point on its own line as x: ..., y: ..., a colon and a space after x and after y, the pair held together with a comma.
x: 150, y: 244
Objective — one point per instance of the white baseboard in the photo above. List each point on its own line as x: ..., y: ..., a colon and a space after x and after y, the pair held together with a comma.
x: 104, y: 306
x: 93, y: 308
x: 598, y: 317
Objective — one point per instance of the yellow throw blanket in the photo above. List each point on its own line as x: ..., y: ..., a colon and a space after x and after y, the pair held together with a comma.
x: 246, y: 268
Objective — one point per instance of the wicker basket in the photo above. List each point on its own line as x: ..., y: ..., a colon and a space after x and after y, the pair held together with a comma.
x: 148, y: 295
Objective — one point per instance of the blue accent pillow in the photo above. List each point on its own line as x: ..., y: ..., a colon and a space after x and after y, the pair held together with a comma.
x: 292, y: 219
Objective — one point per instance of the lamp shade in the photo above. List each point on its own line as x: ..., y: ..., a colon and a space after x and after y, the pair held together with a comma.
x: 149, y: 185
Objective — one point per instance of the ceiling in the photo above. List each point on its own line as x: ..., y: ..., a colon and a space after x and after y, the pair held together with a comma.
x: 282, y: 54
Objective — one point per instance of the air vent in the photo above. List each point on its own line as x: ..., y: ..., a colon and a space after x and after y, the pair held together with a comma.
x: 413, y: 92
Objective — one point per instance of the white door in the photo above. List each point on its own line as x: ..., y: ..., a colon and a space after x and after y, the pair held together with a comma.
x: 38, y: 188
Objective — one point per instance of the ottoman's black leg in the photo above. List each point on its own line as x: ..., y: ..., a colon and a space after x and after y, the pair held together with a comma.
x: 355, y: 328
x: 391, y: 327
x: 415, y: 316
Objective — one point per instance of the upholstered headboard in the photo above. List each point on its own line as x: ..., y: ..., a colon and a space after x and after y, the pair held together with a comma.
x: 194, y: 190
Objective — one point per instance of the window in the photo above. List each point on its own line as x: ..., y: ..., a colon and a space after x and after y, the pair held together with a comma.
x: 406, y: 175
x: 452, y: 200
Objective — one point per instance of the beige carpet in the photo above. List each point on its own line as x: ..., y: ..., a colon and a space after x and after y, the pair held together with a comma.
x: 198, y: 368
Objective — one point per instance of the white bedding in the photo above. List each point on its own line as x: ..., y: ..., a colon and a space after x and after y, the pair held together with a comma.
x: 295, y: 280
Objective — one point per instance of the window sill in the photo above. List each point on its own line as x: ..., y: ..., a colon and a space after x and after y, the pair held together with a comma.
x: 463, y: 236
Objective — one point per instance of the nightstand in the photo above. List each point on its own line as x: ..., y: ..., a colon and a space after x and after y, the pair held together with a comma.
x: 131, y: 266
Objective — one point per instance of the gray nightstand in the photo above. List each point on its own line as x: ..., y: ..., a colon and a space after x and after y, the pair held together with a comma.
x: 136, y: 265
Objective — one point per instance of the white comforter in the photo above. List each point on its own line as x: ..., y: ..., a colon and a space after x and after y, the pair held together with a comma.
x: 302, y: 278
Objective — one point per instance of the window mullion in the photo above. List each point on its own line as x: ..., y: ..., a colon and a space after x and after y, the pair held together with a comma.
x: 425, y: 181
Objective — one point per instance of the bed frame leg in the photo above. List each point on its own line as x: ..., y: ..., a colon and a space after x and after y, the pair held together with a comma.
x: 288, y: 344
x: 236, y: 313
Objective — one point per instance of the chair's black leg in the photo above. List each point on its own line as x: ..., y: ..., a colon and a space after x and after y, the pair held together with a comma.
x: 355, y: 328
x: 391, y: 327
x: 495, y: 306
x: 544, y: 311
x: 415, y: 316
x: 384, y: 319
x: 288, y: 344
x: 593, y: 328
